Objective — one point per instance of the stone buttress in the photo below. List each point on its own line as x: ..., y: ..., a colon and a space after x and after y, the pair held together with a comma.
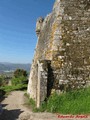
x: 62, y: 57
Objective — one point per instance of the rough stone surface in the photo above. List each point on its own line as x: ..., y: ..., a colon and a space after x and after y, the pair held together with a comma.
x: 64, y: 40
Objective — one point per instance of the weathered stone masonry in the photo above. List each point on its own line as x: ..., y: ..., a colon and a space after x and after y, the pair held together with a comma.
x: 62, y: 57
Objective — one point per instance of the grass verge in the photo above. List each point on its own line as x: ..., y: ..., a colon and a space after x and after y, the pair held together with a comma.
x: 13, y: 87
x: 29, y: 102
x: 74, y: 102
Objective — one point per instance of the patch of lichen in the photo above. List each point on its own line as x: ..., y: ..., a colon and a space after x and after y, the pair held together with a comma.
x: 54, y: 27
x: 57, y: 64
x: 49, y: 52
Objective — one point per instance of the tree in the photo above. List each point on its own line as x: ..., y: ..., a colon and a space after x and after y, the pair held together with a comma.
x: 20, y: 77
x: 19, y: 73
x: 2, y: 80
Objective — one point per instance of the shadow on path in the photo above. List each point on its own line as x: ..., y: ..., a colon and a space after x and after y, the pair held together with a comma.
x: 10, y: 114
x: 2, y: 95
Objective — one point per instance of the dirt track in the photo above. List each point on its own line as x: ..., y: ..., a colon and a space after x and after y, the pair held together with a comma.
x: 15, y: 110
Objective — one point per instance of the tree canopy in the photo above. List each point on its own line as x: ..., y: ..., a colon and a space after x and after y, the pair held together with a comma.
x: 19, y: 73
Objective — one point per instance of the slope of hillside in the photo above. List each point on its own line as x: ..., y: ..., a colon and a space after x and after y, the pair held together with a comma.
x: 12, y: 66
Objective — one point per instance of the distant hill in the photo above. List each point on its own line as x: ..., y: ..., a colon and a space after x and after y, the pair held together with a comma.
x: 13, y: 66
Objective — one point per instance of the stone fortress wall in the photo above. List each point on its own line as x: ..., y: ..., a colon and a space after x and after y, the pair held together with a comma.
x: 62, y: 56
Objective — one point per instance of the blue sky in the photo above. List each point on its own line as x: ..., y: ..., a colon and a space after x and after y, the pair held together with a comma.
x: 17, y: 28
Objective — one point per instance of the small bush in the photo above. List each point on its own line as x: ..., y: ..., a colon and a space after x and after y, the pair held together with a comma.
x: 19, y: 80
x: 3, y: 82
x: 20, y: 77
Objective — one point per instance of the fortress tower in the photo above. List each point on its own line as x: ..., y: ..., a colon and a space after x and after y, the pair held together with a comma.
x: 62, y: 57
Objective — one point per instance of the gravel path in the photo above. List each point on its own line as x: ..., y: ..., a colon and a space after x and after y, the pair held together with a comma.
x: 13, y: 109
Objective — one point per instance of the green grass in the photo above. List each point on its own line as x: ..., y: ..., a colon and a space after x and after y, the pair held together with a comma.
x: 13, y: 88
x: 29, y: 102
x: 75, y: 102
